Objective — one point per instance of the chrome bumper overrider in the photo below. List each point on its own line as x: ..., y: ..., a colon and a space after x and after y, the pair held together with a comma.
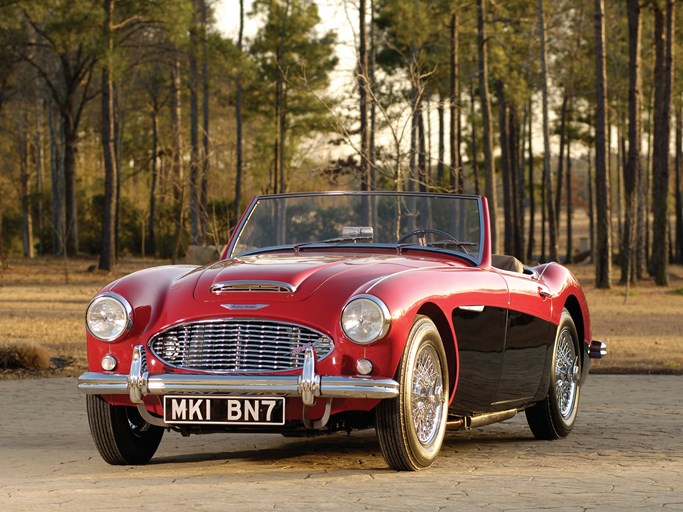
x: 309, y: 385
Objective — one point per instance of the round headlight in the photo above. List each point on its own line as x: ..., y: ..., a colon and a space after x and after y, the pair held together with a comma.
x: 365, y: 319
x: 109, y: 316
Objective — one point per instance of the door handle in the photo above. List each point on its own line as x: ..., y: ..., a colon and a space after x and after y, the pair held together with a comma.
x: 544, y: 293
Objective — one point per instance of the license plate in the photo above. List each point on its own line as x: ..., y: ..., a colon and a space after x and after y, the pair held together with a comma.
x: 224, y: 410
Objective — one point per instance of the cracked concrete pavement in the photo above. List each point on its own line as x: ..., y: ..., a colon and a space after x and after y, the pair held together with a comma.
x: 625, y: 453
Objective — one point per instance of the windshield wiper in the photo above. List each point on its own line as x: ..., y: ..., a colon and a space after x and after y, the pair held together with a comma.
x: 337, y: 240
x: 438, y: 243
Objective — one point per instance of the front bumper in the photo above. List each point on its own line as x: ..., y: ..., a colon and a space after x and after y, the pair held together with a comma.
x: 309, y: 385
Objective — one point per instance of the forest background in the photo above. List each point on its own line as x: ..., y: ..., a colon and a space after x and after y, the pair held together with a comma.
x: 139, y: 128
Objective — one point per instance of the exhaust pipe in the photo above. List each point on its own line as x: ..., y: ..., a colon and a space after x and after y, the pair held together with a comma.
x: 480, y: 420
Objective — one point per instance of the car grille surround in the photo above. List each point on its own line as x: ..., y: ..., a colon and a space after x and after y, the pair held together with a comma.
x: 238, y: 345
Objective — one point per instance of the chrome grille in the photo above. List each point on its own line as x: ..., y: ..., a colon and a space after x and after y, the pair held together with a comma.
x: 235, y: 345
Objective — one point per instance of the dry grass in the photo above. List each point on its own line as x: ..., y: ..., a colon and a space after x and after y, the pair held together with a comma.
x: 644, y: 330
x: 42, y: 305
x: 41, y: 310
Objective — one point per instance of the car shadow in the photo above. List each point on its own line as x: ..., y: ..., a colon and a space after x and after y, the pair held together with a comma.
x: 358, y: 450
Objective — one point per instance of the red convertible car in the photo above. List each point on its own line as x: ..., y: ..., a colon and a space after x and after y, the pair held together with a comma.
x: 338, y: 311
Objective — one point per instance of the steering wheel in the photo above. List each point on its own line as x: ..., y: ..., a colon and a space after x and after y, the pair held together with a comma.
x: 424, y: 231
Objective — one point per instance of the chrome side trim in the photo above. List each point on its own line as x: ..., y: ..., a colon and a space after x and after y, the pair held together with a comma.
x: 475, y: 309
x: 309, y: 385
x: 252, y: 286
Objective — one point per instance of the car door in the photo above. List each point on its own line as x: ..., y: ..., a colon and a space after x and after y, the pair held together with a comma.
x: 528, y: 341
x: 480, y: 322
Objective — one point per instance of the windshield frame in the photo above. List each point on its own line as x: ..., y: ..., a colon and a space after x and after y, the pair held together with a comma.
x: 476, y: 260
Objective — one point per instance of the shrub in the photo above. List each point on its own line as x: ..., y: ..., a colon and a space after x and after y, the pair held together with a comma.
x: 17, y: 355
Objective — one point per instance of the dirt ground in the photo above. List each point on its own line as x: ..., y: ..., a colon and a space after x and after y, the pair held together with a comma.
x: 644, y: 331
x: 43, y: 302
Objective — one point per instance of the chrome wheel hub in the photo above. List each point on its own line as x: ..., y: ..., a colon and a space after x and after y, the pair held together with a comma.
x: 567, y: 374
x: 427, y: 397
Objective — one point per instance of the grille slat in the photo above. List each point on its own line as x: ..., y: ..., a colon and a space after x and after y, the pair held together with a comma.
x: 235, y: 345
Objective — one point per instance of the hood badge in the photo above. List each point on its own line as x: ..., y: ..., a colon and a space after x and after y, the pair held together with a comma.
x: 244, y: 307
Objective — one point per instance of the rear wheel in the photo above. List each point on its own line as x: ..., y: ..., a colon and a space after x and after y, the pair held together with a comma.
x: 554, y: 417
x: 120, y: 434
x: 411, y: 427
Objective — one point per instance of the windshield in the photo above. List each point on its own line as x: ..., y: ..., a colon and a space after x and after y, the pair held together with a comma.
x: 401, y: 220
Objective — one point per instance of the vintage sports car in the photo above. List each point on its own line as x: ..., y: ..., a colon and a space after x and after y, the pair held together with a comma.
x: 339, y: 311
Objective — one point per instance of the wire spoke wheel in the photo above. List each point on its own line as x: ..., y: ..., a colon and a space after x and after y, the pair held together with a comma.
x: 411, y: 427
x: 427, y: 400
x: 566, y: 374
x: 554, y: 417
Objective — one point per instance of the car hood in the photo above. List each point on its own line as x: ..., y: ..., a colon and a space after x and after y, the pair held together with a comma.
x: 296, y: 277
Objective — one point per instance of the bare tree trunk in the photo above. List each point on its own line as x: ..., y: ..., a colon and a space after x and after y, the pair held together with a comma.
x: 679, y: 184
x: 56, y: 179
x: 508, y: 216
x: 238, y: 124
x: 547, y: 178
x: 204, y: 199
x: 414, y: 112
x: 660, y: 160
x: 178, y: 173
x: 363, y: 94
x: 440, y: 166
x: 373, y: 106
x: 643, y: 230
x: 473, y: 128
x: 591, y: 206
x: 69, y: 130
x: 603, y: 250
x: 108, y: 251
x: 195, y: 183
x: 280, y: 114
x: 489, y: 174
x: 570, y: 207
x: 118, y: 136
x: 544, y: 218
x: 517, y: 192
x: 362, y: 76
x: 151, y: 235
x: 456, y: 179
x: 38, y: 159
x: 560, y: 159
x: 532, y: 199
x: 621, y: 150
x: 26, y: 203
x: 632, y: 167
x: 423, y: 176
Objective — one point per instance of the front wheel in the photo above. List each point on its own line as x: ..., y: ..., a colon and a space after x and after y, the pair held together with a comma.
x: 121, y: 435
x: 411, y: 427
x: 554, y: 417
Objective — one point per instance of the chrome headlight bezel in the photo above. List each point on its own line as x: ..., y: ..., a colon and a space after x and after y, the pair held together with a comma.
x: 375, y: 310
x: 122, y: 324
